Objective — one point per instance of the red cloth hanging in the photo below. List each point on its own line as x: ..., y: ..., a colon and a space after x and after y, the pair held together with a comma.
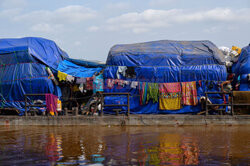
x: 89, y: 83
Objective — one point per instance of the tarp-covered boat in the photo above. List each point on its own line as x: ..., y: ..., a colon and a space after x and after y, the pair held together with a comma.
x: 163, y: 62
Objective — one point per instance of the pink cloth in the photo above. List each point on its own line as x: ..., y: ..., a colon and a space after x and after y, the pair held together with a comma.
x: 110, y: 83
x: 170, y: 87
x: 51, y: 103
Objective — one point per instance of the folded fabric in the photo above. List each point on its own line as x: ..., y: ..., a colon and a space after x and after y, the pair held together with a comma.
x: 153, y: 92
x: 62, y: 76
x: 51, y: 103
x: 121, y: 70
x: 143, y: 92
x: 80, y: 80
x: 189, y: 93
x: 170, y: 98
x: 89, y: 83
x: 70, y: 78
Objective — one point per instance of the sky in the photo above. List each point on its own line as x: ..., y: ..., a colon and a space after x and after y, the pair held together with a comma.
x: 87, y: 29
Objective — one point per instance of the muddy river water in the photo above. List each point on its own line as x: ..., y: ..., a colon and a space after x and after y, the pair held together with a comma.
x: 95, y: 145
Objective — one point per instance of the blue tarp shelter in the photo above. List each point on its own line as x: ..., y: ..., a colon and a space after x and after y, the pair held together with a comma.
x: 23, y: 63
x: 242, y: 69
x: 79, y: 68
x: 164, y: 62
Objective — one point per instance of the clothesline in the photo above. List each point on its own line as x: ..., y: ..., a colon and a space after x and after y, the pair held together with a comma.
x: 69, y: 78
x: 171, y: 96
x: 134, y: 84
x: 94, y: 83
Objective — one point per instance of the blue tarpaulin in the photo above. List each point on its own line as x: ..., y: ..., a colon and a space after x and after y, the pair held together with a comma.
x: 23, y: 63
x: 242, y: 69
x: 164, y: 62
x: 86, y: 63
x: 81, y: 69
x: 46, y: 51
x: 165, y: 53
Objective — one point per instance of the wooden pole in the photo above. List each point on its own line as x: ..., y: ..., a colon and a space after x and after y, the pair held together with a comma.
x: 25, y: 105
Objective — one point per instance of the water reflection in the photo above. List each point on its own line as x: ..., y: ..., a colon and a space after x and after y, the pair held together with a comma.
x: 93, y: 145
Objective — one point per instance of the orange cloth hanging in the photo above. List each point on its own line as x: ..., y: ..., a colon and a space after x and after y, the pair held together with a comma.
x: 189, y: 93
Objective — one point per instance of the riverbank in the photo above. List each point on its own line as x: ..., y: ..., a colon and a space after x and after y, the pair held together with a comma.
x: 132, y: 120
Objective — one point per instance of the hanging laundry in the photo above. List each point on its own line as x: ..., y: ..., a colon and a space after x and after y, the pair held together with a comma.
x: 80, y: 80
x: 170, y: 98
x: 143, y: 92
x: 189, y: 93
x: 121, y: 70
x: 62, y: 76
x: 134, y: 84
x: 81, y: 87
x: 51, y: 103
x: 126, y: 82
x: 98, y: 83
x: 119, y: 82
x: 153, y: 92
x: 70, y: 78
x: 116, y: 81
x: 110, y: 83
x: 89, y: 83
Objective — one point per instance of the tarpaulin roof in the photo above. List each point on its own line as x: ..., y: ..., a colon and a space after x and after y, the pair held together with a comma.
x: 242, y: 68
x: 22, y: 69
x: 42, y: 49
x: 165, y: 53
x: 243, y: 64
x: 81, y: 69
x: 86, y: 63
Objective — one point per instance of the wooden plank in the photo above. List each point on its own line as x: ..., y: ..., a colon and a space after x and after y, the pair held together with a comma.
x: 115, y: 105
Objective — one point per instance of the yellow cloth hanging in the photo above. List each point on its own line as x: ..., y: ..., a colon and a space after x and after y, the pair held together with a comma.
x: 62, y: 76
x: 169, y: 102
x: 237, y: 49
x: 170, y: 96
